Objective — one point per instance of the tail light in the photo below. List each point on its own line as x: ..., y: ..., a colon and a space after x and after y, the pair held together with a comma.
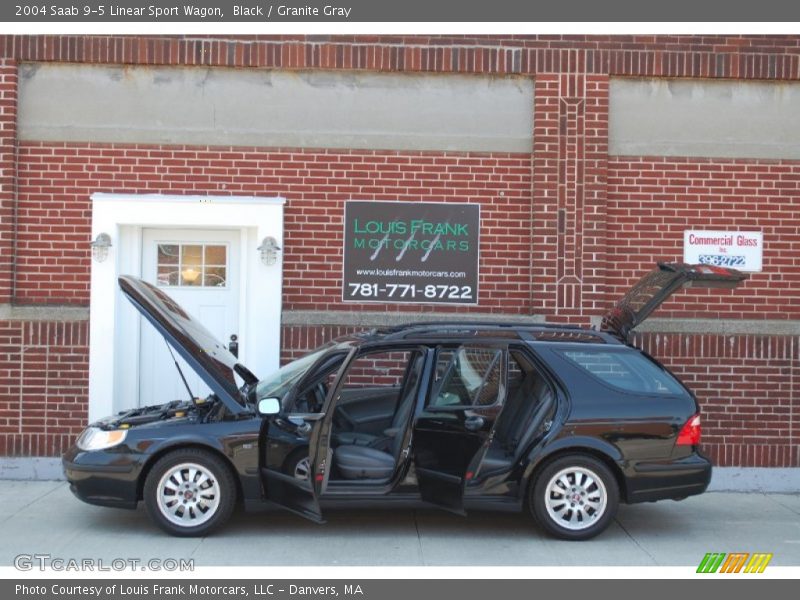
x: 690, y: 432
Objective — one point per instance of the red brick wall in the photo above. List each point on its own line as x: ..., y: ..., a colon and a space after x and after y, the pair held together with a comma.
x: 44, y: 375
x: 652, y: 200
x: 569, y: 196
x: 729, y: 56
x: 745, y: 385
x: 56, y: 180
x: 571, y: 230
x: 8, y: 141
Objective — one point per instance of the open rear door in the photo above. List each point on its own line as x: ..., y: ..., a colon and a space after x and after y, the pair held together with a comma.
x: 654, y: 288
x: 453, y: 431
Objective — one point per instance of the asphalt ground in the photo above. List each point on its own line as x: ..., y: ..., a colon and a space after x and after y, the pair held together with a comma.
x: 43, y: 517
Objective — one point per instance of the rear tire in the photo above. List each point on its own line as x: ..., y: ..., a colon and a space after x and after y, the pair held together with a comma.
x: 190, y: 492
x: 574, y: 497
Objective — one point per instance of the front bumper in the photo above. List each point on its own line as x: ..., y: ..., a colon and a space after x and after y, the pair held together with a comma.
x: 103, y: 478
x: 668, y: 480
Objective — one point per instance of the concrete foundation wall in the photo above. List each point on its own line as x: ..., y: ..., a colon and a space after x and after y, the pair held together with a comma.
x: 669, y: 117
x: 313, y: 109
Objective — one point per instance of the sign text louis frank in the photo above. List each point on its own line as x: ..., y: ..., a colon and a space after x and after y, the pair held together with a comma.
x: 742, y: 250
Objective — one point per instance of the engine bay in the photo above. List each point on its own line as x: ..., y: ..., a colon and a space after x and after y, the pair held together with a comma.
x: 199, y: 409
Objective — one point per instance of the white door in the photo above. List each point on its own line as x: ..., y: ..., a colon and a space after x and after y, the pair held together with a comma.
x: 200, y: 270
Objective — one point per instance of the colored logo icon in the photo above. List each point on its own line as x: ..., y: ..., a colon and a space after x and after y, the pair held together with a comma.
x: 734, y: 562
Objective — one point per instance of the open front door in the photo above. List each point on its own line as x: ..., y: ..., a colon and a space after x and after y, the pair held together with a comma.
x: 453, y: 432
x: 298, y: 495
x: 657, y: 286
x: 297, y: 436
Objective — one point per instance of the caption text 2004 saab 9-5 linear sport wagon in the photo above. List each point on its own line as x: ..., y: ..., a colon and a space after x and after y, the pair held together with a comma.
x: 563, y: 422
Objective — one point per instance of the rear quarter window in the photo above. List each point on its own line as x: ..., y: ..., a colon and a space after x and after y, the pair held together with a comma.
x: 627, y: 371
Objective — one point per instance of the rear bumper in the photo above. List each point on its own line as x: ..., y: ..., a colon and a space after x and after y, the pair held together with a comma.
x: 102, y: 478
x: 668, y: 480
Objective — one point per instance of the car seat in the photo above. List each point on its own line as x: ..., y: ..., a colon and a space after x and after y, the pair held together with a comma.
x: 356, y: 461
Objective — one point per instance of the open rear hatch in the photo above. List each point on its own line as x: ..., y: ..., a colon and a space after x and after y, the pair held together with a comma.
x: 657, y: 286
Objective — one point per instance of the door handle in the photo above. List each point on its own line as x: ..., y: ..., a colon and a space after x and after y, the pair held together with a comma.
x: 233, y: 347
x: 473, y: 423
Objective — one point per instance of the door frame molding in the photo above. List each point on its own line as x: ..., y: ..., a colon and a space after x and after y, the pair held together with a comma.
x: 113, y: 377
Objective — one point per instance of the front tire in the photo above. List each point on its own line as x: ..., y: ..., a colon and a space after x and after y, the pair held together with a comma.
x: 189, y: 492
x: 575, y: 497
x: 298, y: 465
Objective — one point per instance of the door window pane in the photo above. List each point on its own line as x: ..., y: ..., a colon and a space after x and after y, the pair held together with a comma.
x: 377, y: 394
x: 168, y: 275
x: 471, y: 377
x: 192, y: 265
x: 216, y: 254
x: 168, y: 254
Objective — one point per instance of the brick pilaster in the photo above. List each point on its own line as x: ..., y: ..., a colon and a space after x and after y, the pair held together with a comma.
x: 8, y: 154
x: 569, y: 196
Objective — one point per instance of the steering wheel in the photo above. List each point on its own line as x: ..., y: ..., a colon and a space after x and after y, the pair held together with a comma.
x: 342, y: 421
x: 320, y: 392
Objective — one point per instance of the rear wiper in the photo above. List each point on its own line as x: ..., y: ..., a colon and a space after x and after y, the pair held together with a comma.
x: 180, y: 372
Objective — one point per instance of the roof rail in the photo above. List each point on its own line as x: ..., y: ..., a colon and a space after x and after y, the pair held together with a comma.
x: 476, y: 325
x: 530, y: 333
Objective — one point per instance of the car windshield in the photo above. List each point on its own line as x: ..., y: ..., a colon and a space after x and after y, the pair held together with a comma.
x: 282, y: 380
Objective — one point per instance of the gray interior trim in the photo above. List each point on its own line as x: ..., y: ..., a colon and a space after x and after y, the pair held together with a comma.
x: 383, y: 319
x: 9, y: 312
x: 683, y: 117
x: 258, y: 107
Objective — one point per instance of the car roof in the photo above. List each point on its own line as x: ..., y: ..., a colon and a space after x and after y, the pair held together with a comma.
x: 464, y: 331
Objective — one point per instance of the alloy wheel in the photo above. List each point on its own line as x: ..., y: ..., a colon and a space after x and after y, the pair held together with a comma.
x: 302, y: 469
x: 188, y: 495
x: 576, y: 498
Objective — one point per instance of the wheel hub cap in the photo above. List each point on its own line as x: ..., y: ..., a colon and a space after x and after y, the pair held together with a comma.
x: 576, y: 498
x: 302, y: 469
x: 188, y: 495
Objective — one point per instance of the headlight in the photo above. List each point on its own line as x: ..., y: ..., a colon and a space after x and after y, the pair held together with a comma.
x: 93, y: 438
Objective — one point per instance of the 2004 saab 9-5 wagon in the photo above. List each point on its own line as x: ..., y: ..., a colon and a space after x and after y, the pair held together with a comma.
x: 563, y: 422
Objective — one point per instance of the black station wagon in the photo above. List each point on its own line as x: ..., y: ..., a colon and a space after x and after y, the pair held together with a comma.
x: 564, y: 422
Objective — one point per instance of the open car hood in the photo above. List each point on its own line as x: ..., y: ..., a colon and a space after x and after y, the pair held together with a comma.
x: 194, y: 343
x: 654, y: 288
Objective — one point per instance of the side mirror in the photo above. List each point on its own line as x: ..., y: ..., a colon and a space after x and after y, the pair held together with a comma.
x: 269, y: 406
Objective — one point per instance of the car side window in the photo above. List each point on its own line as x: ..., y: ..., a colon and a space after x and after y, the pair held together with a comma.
x: 629, y: 371
x: 385, y: 369
x: 467, y: 376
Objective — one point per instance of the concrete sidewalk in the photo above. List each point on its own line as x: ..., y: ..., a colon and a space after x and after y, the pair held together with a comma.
x: 44, y: 517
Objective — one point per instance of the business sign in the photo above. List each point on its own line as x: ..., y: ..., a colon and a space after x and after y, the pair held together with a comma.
x: 411, y: 252
x: 740, y: 250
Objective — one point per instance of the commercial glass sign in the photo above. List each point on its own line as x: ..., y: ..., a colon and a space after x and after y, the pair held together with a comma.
x: 411, y: 252
x: 742, y: 250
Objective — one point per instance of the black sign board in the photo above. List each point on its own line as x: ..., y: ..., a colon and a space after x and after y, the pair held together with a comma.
x: 411, y: 252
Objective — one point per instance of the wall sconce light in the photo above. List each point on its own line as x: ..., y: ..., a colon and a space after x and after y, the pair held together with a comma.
x: 269, y: 250
x: 100, y: 247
